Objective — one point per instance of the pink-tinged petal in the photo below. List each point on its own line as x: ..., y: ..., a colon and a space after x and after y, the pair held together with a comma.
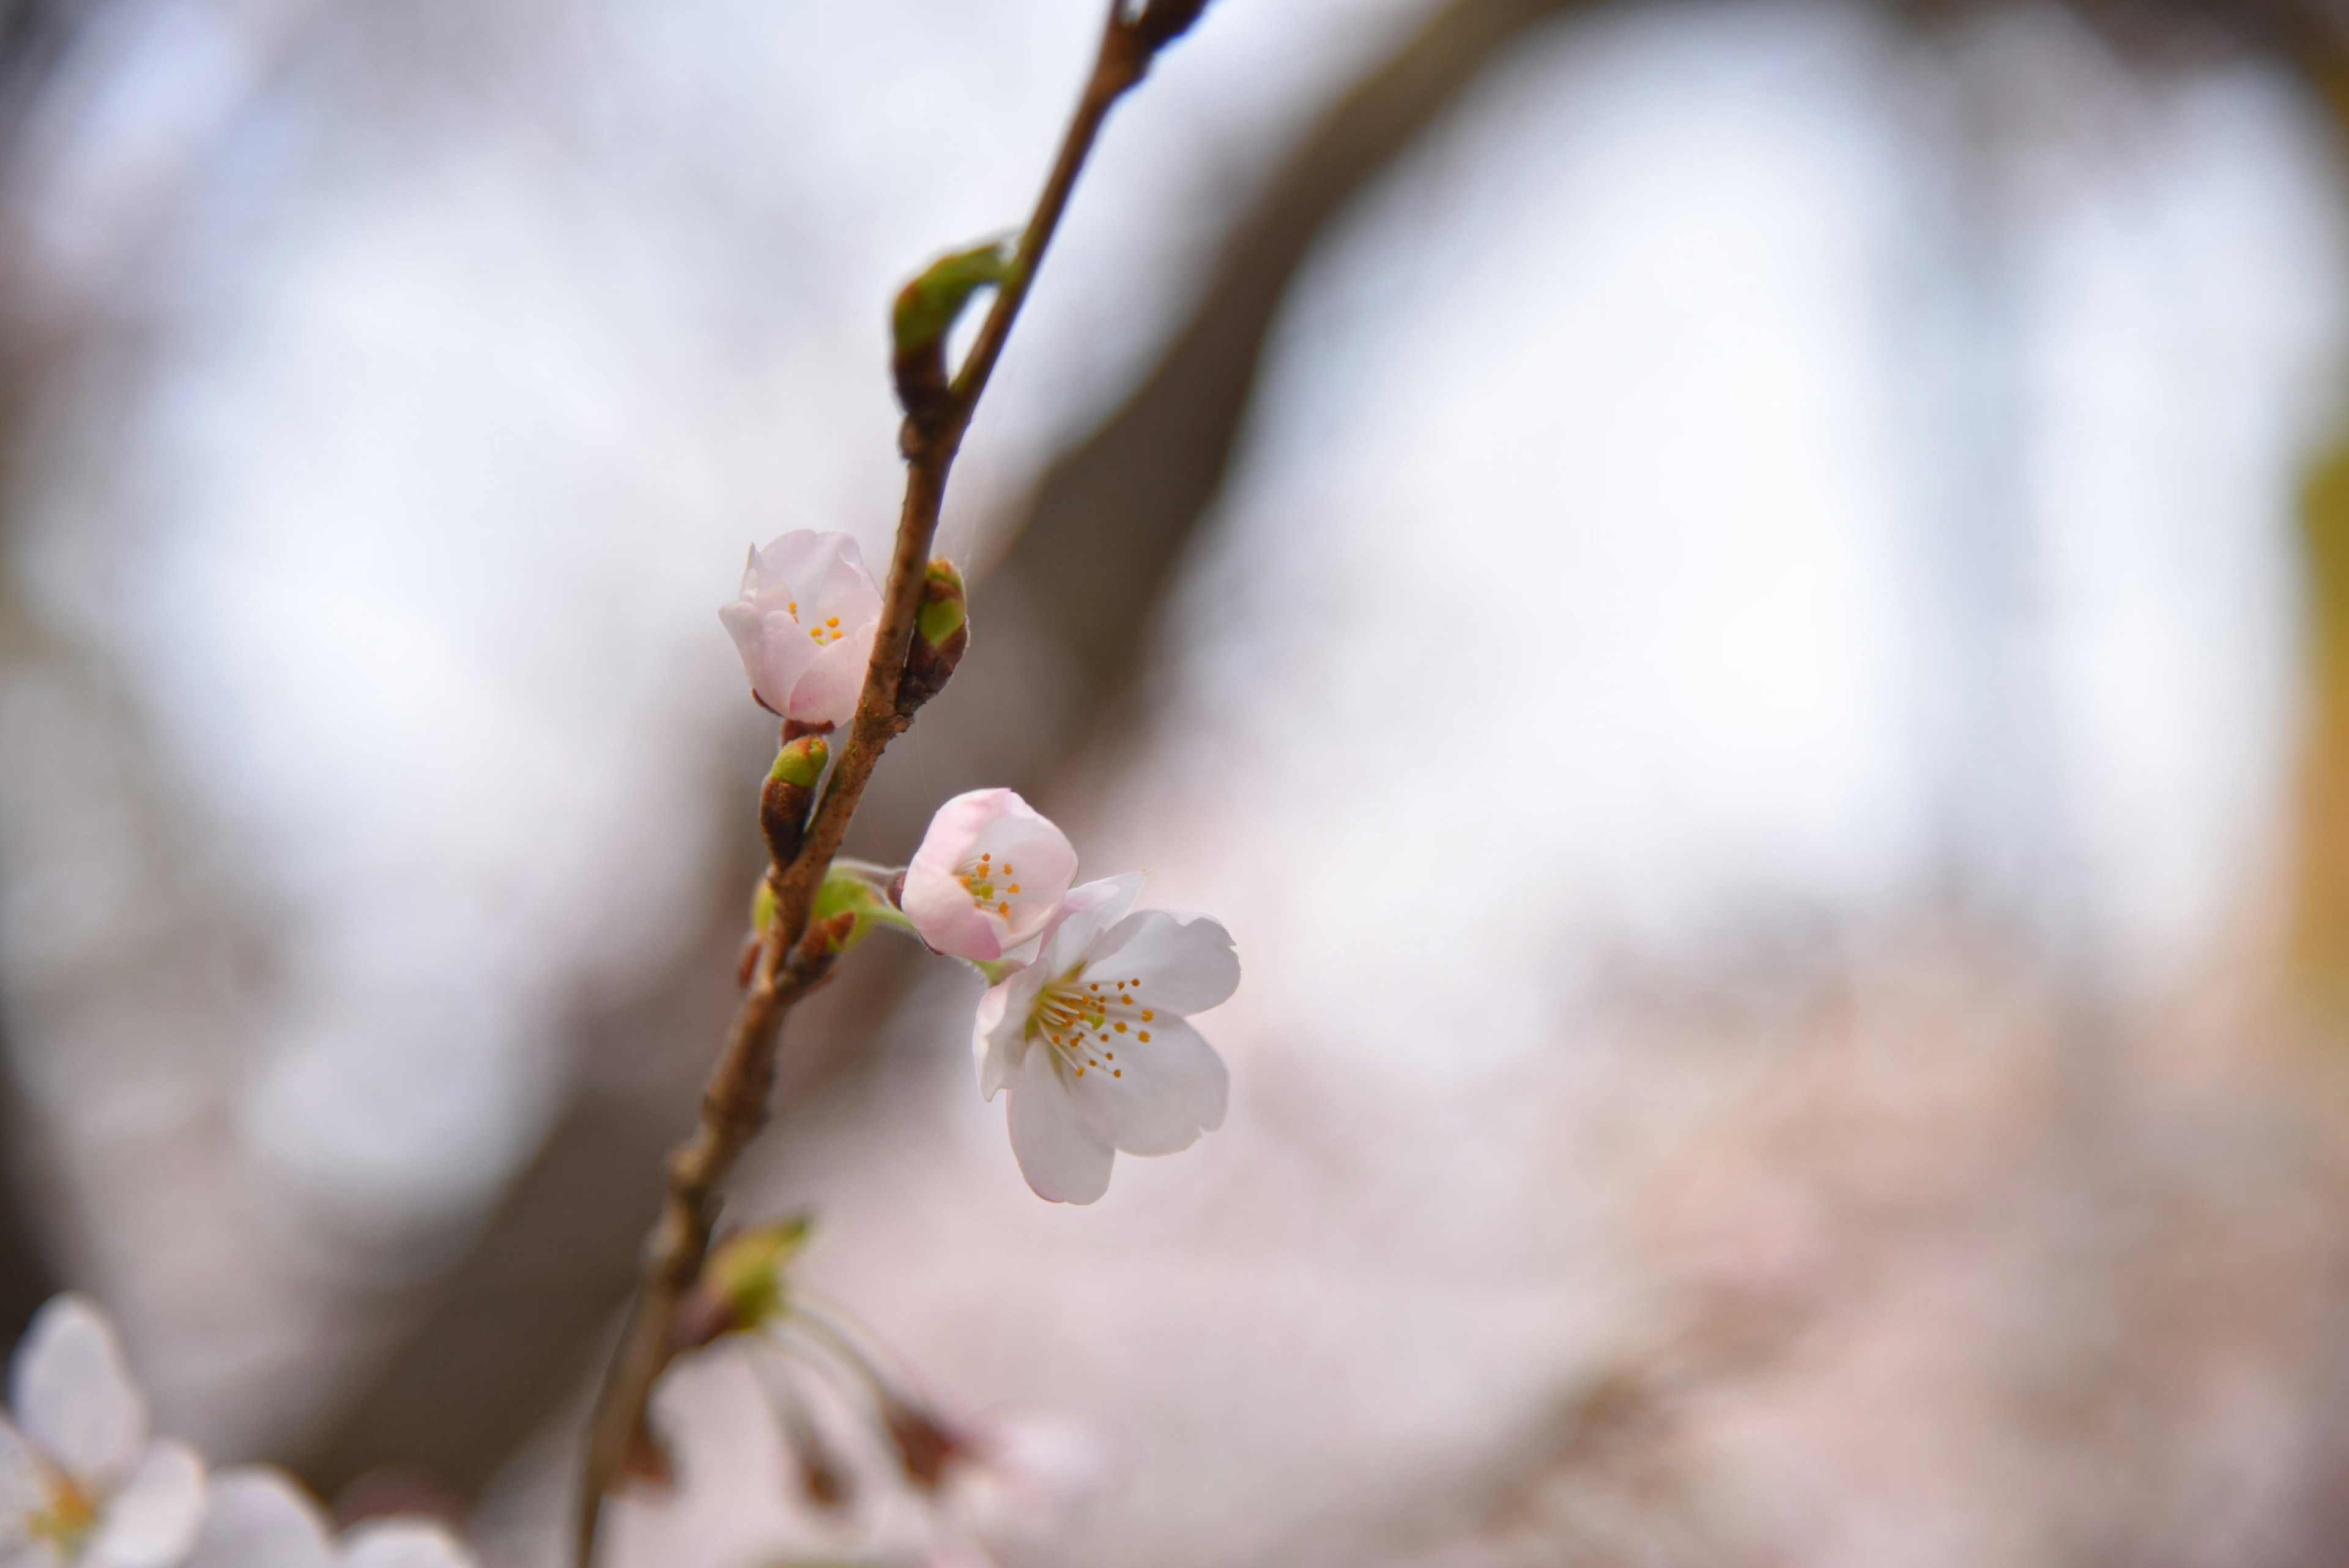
x: 1042, y: 862
x: 827, y: 690
x: 942, y: 911
x: 785, y: 654
x: 403, y: 1543
x: 1152, y: 1096
x: 258, y: 1518
x: 846, y: 592
x: 71, y: 1389
x: 1063, y: 1155
x: 1185, y: 961
x: 154, y: 1518
x: 24, y: 1484
x: 975, y: 823
x: 792, y: 567
x: 999, y: 1037
x: 1090, y: 909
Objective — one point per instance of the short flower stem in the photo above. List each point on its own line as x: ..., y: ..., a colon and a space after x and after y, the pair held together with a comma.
x: 793, y: 960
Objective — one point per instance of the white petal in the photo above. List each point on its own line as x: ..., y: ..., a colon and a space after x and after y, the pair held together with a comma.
x: 30, y: 1554
x: 1165, y: 1093
x: 792, y: 567
x: 403, y: 1543
x: 1034, y: 857
x: 846, y: 591
x: 1185, y: 961
x: 1064, y: 1158
x: 935, y: 898
x: 24, y: 1483
x: 258, y: 1518
x: 153, y: 1519
x: 71, y: 1389
x: 1085, y: 914
x: 999, y: 1036
x: 785, y: 652
x: 826, y: 690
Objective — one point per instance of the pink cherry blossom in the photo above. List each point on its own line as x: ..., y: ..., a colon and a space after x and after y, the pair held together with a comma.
x: 990, y: 875
x: 805, y: 626
x: 260, y: 1519
x: 79, y: 1481
x: 1093, y: 1040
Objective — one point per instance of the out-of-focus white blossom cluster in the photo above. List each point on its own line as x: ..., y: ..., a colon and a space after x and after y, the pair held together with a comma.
x: 85, y: 1484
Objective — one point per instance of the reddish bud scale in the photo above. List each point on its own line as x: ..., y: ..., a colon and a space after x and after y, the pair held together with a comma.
x: 925, y: 1445
x: 783, y: 818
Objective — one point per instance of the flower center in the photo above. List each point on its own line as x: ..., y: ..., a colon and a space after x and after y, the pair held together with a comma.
x: 68, y: 1513
x: 824, y: 632
x: 990, y: 886
x: 1082, y: 1020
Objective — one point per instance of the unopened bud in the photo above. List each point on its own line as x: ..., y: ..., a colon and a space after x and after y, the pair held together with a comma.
x: 789, y: 790
x: 821, y: 1476
x: 941, y: 633
x: 742, y: 1285
x: 923, y: 1443
x: 649, y: 1459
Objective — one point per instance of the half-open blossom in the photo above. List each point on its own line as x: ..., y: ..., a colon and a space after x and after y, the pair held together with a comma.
x: 1093, y: 1042
x: 79, y: 1481
x: 991, y: 873
x: 805, y: 626
x: 260, y: 1519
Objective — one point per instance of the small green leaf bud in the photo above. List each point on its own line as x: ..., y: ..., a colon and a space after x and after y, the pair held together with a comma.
x: 926, y: 312
x: 941, y: 634
x: 743, y: 1284
x: 790, y: 790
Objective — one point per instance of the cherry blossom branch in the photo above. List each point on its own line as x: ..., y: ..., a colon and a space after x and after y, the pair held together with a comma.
x: 796, y: 954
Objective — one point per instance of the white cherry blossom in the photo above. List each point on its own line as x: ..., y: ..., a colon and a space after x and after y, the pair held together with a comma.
x: 260, y: 1519
x: 991, y: 873
x: 80, y: 1483
x: 805, y: 626
x: 1093, y: 1042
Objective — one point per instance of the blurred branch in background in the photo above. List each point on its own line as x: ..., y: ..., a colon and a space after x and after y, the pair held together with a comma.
x: 516, y: 1322
x: 34, y: 35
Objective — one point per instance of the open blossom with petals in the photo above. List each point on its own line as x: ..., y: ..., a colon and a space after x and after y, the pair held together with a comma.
x: 260, y: 1519
x: 1094, y: 1043
x: 805, y: 626
x: 79, y: 1481
x: 991, y: 873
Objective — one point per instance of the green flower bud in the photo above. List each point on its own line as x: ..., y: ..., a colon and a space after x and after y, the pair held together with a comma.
x: 800, y: 761
x: 745, y: 1275
x: 942, y: 632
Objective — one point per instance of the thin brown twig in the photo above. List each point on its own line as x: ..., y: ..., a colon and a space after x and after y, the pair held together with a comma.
x: 792, y: 959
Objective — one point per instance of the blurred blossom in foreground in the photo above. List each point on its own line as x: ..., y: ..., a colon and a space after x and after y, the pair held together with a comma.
x: 80, y: 1481
x: 260, y: 1519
